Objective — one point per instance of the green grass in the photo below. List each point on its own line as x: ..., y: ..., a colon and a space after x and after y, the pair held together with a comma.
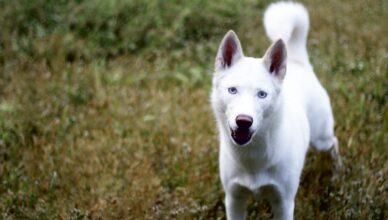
x: 104, y: 108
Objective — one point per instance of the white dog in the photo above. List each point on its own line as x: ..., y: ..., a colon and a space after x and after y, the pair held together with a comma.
x: 268, y: 111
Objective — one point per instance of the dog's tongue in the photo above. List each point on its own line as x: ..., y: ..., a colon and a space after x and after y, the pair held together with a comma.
x: 241, y: 136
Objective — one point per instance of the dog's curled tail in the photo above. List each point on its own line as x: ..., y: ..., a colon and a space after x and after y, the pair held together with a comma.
x: 288, y: 21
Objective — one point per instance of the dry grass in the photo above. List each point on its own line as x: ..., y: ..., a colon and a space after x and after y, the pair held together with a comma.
x: 105, y: 132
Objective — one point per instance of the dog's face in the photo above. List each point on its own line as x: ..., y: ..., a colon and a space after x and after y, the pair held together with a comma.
x: 246, y: 90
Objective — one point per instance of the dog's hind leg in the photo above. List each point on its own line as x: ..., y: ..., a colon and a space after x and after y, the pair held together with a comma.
x: 322, y: 136
x: 334, y: 152
x: 330, y: 145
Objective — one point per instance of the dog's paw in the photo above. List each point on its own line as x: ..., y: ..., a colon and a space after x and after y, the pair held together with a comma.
x: 336, y: 157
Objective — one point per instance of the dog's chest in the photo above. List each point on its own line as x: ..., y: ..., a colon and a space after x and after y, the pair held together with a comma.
x: 261, y: 184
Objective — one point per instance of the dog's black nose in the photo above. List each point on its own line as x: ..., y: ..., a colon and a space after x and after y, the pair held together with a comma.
x: 244, y: 121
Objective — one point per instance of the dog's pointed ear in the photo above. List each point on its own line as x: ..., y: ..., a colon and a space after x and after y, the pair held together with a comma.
x: 229, y: 52
x: 275, y: 60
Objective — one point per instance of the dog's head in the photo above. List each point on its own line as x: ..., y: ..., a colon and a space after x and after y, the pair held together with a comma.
x: 246, y: 90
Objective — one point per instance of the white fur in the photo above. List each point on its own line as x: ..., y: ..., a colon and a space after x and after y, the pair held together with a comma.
x: 296, y: 112
x: 290, y: 22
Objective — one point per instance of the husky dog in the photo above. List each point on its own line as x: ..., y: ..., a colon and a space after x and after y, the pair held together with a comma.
x: 268, y: 111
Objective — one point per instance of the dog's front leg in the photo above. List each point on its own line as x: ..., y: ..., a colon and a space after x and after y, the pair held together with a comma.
x: 283, y: 209
x: 235, y: 206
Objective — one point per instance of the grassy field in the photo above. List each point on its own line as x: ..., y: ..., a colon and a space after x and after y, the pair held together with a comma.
x: 104, y: 108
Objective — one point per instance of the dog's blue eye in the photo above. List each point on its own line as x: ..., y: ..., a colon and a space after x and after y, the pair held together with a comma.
x: 262, y: 94
x: 232, y: 90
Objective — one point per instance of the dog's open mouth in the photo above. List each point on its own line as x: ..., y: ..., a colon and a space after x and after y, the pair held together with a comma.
x: 241, y: 135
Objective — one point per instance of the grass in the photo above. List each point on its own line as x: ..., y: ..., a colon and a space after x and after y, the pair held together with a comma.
x: 104, y: 110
